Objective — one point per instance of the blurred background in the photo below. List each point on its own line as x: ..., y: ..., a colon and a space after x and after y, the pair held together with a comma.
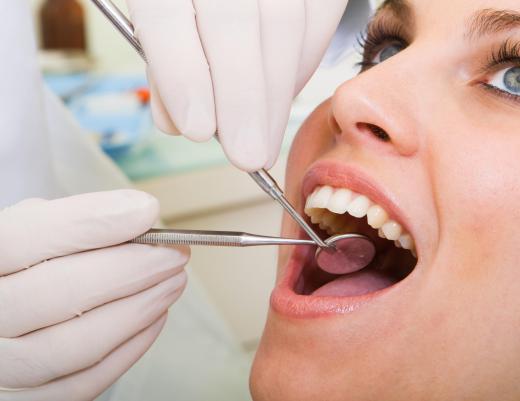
x: 102, y: 81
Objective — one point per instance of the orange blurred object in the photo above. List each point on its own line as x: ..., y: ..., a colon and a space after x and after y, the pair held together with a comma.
x: 144, y: 95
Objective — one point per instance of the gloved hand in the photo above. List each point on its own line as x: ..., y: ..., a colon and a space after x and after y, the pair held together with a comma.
x: 232, y: 64
x: 76, y: 308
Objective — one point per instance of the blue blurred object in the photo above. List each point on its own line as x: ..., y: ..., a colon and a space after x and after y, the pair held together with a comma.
x: 106, y: 106
x: 109, y: 106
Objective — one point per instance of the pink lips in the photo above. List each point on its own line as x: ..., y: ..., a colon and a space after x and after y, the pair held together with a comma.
x: 329, y: 301
x: 286, y: 301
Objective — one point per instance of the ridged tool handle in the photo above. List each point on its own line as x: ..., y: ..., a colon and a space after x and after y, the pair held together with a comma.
x: 189, y: 237
x: 213, y: 238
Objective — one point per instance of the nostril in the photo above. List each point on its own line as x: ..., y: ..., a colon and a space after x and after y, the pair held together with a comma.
x: 378, y: 132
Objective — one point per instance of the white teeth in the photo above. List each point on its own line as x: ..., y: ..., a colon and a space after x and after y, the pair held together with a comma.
x: 339, y: 201
x: 359, y: 206
x: 326, y: 204
x: 392, y: 230
x: 320, y: 198
x: 376, y: 217
x: 406, y: 241
x: 309, y: 203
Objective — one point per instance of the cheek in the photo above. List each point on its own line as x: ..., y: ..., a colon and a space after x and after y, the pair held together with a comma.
x: 478, y: 187
x: 313, y: 139
x: 485, y: 181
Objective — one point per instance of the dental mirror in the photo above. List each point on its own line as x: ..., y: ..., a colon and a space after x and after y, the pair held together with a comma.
x: 348, y: 253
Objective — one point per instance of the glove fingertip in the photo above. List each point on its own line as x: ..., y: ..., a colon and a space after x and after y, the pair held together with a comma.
x: 271, y: 161
x: 179, y: 255
x: 140, y: 207
x: 201, y: 130
x: 245, y: 147
x: 178, y: 284
x: 161, y: 118
x: 275, y: 147
x: 196, y: 120
x: 247, y: 159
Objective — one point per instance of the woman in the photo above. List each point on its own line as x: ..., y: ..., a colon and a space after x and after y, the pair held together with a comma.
x: 426, y: 136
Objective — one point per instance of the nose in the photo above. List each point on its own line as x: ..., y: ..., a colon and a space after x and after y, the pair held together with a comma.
x: 374, y: 106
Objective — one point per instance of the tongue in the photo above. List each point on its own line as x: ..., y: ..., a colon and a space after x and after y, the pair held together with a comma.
x: 355, y: 284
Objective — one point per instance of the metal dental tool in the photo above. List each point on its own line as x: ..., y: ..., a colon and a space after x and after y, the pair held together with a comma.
x: 350, y: 252
x: 213, y: 238
x: 340, y: 254
x: 262, y: 177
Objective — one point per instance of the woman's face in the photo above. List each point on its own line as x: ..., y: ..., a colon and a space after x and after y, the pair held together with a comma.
x: 429, y: 132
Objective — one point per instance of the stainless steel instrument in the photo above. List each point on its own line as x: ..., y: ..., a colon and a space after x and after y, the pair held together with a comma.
x: 213, y: 238
x: 261, y: 177
x: 349, y: 251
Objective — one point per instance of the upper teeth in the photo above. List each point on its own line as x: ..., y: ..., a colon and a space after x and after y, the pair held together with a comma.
x: 325, y: 205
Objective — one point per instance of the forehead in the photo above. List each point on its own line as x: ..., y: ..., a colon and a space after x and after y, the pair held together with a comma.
x: 454, y: 16
x: 446, y: 6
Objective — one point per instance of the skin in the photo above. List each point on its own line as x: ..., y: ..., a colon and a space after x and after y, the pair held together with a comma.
x: 449, y: 331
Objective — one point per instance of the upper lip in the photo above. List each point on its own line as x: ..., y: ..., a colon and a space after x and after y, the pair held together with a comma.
x: 339, y: 175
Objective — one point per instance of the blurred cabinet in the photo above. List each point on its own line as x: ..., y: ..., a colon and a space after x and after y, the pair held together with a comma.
x: 62, y: 25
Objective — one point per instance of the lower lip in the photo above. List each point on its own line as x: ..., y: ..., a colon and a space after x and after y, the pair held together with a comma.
x: 285, y: 301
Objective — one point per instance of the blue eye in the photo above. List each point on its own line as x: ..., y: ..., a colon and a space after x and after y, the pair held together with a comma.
x: 387, y: 52
x: 507, y: 80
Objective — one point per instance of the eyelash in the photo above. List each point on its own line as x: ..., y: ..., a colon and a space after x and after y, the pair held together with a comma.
x: 508, y: 55
x: 380, y: 33
x: 373, y: 39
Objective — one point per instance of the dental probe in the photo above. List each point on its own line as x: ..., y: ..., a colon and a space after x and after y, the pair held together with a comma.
x: 263, y: 179
x: 350, y: 252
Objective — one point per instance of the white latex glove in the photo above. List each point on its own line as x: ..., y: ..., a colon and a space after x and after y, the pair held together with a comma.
x: 232, y: 64
x: 77, y: 309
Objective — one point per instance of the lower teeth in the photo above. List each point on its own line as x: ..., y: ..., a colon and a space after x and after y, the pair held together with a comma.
x: 392, y: 264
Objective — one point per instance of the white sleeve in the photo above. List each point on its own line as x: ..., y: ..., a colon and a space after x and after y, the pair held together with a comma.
x: 25, y: 160
x: 354, y: 21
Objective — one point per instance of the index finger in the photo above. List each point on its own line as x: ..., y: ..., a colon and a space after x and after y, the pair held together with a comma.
x: 36, y: 230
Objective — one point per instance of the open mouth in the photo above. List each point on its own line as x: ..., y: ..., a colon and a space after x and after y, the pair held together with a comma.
x: 334, y: 210
x: 342, y: 199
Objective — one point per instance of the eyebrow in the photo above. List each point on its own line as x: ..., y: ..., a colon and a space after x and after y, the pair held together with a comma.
x: 491, y: 21
x: 401, y: 8
x: 484, y: 22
